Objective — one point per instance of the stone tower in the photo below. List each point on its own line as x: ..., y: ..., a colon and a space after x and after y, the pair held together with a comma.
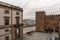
x: 40, y: 20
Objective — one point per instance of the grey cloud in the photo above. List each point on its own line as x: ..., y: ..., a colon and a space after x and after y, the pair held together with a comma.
x: 31, y: 6
x: 29, y: 17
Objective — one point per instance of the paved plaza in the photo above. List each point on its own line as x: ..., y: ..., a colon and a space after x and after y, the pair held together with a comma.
x: 38, y: 35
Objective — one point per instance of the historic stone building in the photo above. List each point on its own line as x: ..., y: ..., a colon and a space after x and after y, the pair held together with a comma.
x: 47, y: 22
x: 40, y: 21
x: 11, y: 20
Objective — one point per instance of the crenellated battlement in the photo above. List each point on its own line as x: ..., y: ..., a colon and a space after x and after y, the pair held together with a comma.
x: 47, y: 21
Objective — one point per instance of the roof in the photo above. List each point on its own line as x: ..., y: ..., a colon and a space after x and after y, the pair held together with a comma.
x: 10, y: 6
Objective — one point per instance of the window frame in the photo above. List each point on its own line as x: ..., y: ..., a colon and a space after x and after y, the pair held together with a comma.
x: 6, y: 30
x: 7, y: 38
x: 6, y: 11
x: 5, y: 18
x: 17, y: 13
x: 17, y: 19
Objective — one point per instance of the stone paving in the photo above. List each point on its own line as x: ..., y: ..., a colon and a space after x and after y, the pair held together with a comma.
x: 28, y: 29
x: 40, y: 36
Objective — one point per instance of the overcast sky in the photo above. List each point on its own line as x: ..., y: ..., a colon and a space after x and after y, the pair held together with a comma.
x: 31, y: 6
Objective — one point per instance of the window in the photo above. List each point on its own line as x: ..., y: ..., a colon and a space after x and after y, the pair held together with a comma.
x: 7, y: 11
x: 6, y: 19
x: 7, y: 38
x: 6, y: 30
x: 17, y: 13
x: 17, y: 20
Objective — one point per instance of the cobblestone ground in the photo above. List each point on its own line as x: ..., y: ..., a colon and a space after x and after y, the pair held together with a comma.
x: 40, y: 36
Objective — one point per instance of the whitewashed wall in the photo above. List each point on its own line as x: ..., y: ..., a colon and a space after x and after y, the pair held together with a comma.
x: 2, y: 14
x: 3, y: 37
x: 14, y: 15
x: 2, y: 31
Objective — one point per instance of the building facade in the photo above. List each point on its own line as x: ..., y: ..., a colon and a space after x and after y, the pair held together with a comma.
x: 10, y: 15
x: 40, y: 21
x: 47, y: 22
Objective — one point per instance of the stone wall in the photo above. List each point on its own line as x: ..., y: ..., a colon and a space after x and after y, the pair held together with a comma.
x: 40, y: 20
x: 47, y: 21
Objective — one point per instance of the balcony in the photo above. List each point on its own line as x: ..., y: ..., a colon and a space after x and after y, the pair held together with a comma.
x: 17, y: 25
